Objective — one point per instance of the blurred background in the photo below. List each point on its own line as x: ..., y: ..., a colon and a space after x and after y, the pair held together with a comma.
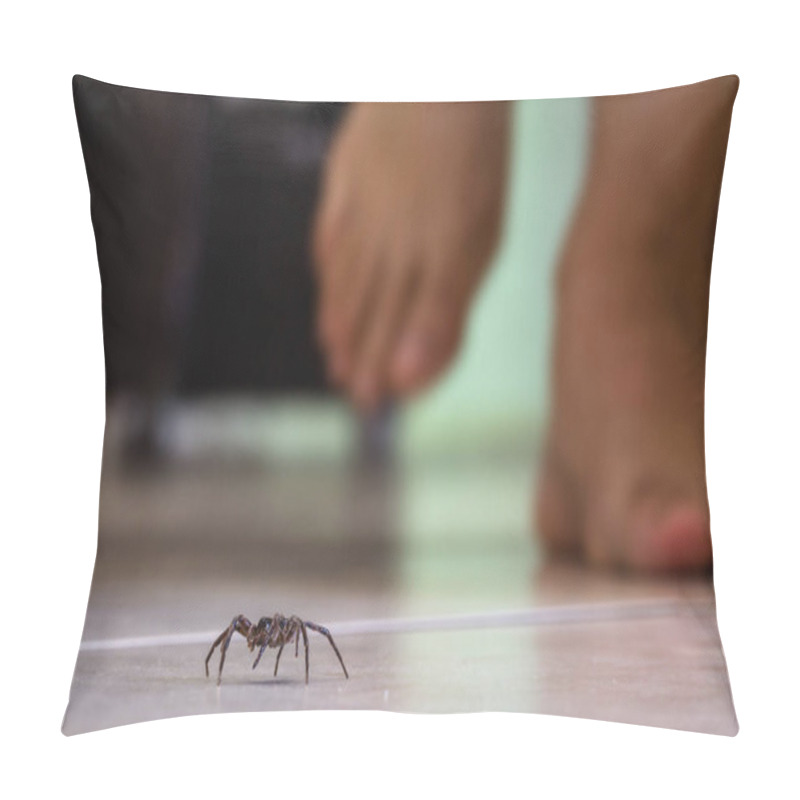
x: 208, y: 319
x: 220, y: 422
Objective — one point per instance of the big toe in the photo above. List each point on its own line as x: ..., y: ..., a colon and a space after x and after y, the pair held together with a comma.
x: 427, y: 344
x: 676, y: 538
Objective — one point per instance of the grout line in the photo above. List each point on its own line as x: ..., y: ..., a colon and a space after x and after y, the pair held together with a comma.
x: 552, y: 615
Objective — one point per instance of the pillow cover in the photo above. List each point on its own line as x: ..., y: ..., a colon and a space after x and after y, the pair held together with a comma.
x: 333, y: 362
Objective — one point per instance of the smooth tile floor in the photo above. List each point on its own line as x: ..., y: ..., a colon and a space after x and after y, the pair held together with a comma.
x: 437, y: 604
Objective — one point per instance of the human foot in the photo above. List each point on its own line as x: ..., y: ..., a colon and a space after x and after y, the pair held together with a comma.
x: 410, y: 214
x: 623, y: 478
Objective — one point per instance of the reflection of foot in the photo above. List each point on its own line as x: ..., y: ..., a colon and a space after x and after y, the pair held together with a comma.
x: 623, y: 480
x: 409, y: 216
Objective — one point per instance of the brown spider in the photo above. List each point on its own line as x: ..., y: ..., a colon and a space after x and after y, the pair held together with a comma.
x: 276, y: 631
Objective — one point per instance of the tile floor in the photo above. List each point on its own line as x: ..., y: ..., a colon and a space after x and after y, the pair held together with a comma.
x: 437, y: 605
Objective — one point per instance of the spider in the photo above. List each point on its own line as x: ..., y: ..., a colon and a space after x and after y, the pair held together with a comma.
x: 276, y: 631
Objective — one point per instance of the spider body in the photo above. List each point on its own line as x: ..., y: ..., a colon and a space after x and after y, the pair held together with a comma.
x: 276, y: 632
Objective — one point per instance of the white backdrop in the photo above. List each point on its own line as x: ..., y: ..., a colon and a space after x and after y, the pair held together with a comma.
x: 53, y: 400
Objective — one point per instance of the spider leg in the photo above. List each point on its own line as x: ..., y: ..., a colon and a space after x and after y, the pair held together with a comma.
x: 277, y: 659
x: 325, y: 632
x: 296, y: 642
x: 239, y: 623
x: 214, y: 646
x: 305, y: 643
x: 224, y: 651
x: 260, y: 653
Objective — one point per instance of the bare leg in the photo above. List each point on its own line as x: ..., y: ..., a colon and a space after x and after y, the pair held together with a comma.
x: 623, y: 480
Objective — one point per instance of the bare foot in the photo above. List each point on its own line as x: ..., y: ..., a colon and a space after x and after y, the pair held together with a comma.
x: 623, y: 480
x: 410, y: 214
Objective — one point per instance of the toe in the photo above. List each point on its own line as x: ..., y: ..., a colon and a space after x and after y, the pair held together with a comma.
x: 428, y: 340
x: 344, y: 306
x: 557, y: 510
x: 383, y: 317
x: 675, y: 539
